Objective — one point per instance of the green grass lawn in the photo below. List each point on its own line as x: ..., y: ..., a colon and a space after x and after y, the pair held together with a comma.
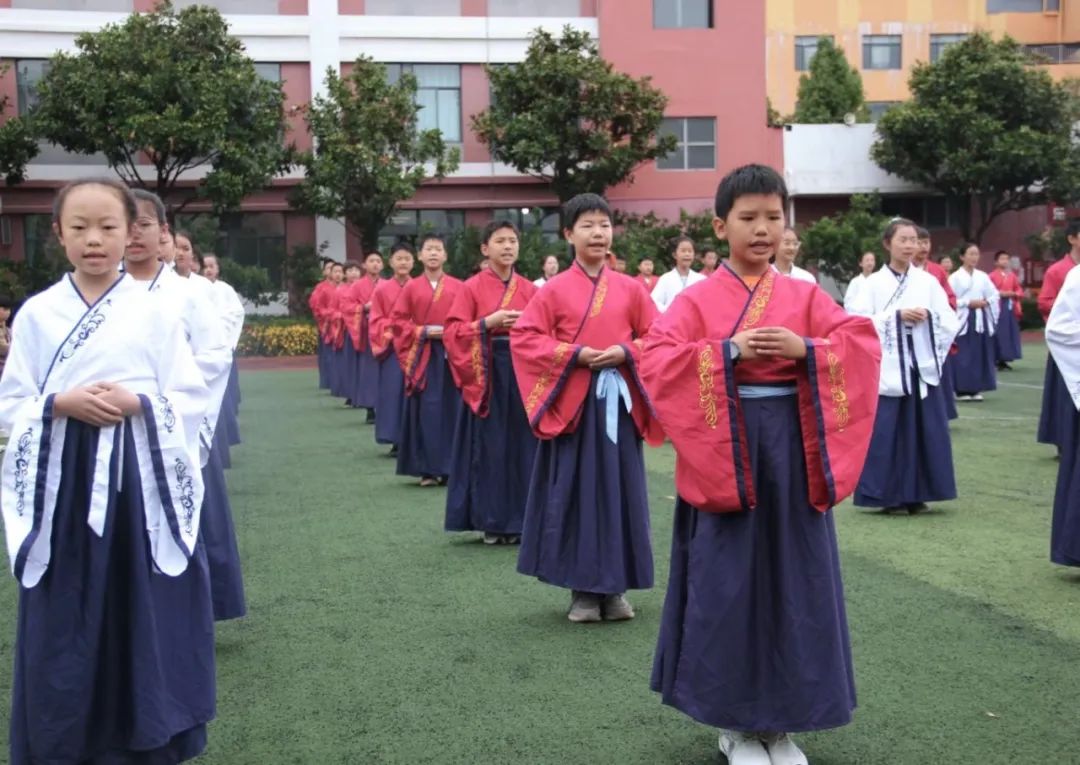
x: 374, y: 637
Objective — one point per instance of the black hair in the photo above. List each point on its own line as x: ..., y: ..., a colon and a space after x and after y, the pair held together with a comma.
x: 745, y: 180
x: 142, y: 195
x: 1072, y: 228
x: 335, y: 264
x: 352, y: 264
x: 187, y: 235
x: 6, y: 301
x: 922, y: 233
x: 430, y: 237
x: 894, y: 225
x: 965, y: 246
x: 497, y: 225
x: 999, y: 253
x: 582, y: 204
x: 674, y: 244
x: 118, y: 187
x: 401, y: 246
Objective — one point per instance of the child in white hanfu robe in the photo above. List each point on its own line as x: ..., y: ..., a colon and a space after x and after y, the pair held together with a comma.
x: 910, y: 457
x: 1063, y: 338
x: 977, y: 304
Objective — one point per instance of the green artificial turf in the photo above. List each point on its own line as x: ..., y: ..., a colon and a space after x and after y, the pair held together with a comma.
x: 374, y: 637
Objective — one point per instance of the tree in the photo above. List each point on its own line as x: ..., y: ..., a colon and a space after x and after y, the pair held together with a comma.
x: 831, y: 88
x: 837, y: 242
x: 564, y: 115
x: 649, y: 236
x: 986, y: 130
x: 370, y: 153
x: 172, y: 90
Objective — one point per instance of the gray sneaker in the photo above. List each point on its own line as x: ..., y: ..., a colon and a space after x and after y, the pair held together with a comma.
x: 584, y: 608
x: 617, y: 608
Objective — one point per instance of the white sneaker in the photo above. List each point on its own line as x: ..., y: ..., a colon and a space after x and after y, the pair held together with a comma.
x: 743, y: 748
x: 977, y: 397
x: 783, y: 751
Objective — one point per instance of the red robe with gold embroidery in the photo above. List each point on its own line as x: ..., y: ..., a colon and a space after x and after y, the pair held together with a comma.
x: 571, y: 312
x: 418, y: 307
x: 693, y: 384
x: 1007, y: 281
x: 335, y: 318
x: 468, y: 340
x: 319, y: 303
x: 380, y: 321
x: 354, y: 310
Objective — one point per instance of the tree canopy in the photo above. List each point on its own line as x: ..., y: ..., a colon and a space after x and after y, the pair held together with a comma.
x: 831, y: 89
x: 836, y: 243
x: 172, y: 90
x: 370, y: 154
x: 986, y: 129
x: 564, y: 115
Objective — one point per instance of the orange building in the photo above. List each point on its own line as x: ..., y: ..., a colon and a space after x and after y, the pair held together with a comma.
x: 884, y: 39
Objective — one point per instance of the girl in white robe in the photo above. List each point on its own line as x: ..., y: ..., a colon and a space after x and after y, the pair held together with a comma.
x: 977, y: 305
x: 1063, y: 338
x: 910, y: 458
x: 101, y: 496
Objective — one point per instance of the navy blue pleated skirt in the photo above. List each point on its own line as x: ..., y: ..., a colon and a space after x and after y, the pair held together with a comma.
x: 220, y: 444
x: 1056, y: 406
x: 234, y: 385
x: 114, y: 661
x: 1007, y: 338
x: 366, y: 388
x: 323, y: 358
x: 586, y: 524
x: 350, y: 370
x: 910, y: 456
x: 493, y: 457
x: 428, y: 421
x: 975, y: 365
x: 948, y: 389
x: 1065, y: 531
x: 390, y: 402
x: 338, y: 373
x: 754, y: 633
x: 219, y: 537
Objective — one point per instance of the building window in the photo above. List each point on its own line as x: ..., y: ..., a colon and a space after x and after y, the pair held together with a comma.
x: 76, y: 5
x: 805, y: 49
x: 409, y: 224
x: 931, y: 212
x: 413, y: 7
x: 878, y: 108
x: 28, y: 73
x: 1023, y: 6
x: 438, y: 93
x: 881, y: 52
x: 529, y: 219
x: 560, y: 8
x: 38, y: 240
x: 938, y: 44
x: 254, y: 239
x: 697, y: 143
x: 269, y: 72
x: 682, y: 14
x: 1053, y: 53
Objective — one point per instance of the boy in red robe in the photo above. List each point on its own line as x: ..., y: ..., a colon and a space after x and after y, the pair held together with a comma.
x: 347, y: 308
x: 1007, y: 337
x: 317, y: 303
x: 1056, y: 399
x: 366, y: 390
x: 334, y: 329
x: 431, y: 400
x: 768, y: 391
x: 646, y: 278
x: 391, y: 395
x: 575, y: 352
x: 491, y: 428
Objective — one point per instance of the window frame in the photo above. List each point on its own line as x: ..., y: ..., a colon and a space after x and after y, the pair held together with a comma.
x: 680, y: 13
x: 685, y: 144
x: 411, y: 67
x: 869, y: 42
x: 938, y: 46
x: 800, y: 48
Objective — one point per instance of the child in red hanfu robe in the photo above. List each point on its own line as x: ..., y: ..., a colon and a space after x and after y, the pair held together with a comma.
x: 494, y: 448
x: 390, y: 399
x: 575, y: 351
x: 365, y: 392
x: 318, y: 304
x: 431, y: 400
x: 768, y: 390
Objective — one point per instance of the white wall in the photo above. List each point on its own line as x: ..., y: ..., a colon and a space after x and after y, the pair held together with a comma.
x: 833, y: 160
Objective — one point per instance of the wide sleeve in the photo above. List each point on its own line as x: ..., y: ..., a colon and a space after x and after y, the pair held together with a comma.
x: 852, y: 294
x: 380, y: 325
x: 838, y: 397
x: 213, y: 356
x: 18, y: 386
x: 468, y: 349
x: 661, y: 296
x: 545, y: 367
x: 1063, y: 334
x: 232, y: 312
x: 1049, y: 292
x: 690, y: 380
x: 993, y: 303
x: 168, y: 444
x: 643, y: 315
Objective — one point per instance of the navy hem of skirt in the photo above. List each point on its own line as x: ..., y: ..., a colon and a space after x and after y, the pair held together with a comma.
x: 1065, y: 525
x: 428, y: 420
